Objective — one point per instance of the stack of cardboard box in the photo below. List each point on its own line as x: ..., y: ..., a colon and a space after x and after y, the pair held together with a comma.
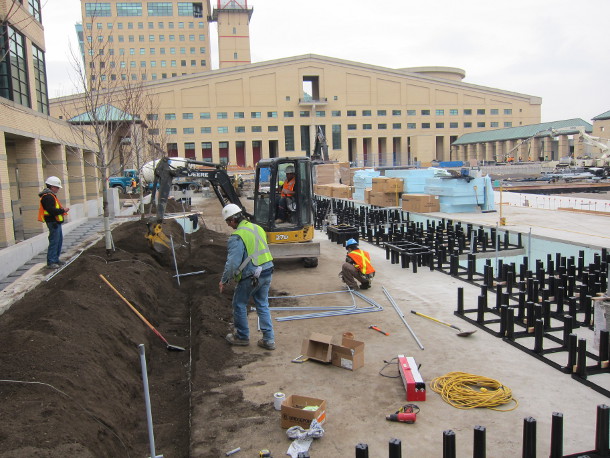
x: 385, y: 192
x: 338, y: 191
x: 337, y: 172
x: 420, y: 203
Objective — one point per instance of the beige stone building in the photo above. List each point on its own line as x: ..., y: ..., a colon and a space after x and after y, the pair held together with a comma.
x: 34, y: 145
x: 370, y: 115
x: 601, y: 125
x: 148, y: 41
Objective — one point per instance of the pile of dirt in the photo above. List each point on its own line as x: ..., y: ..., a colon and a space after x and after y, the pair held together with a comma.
x: 71, y: 380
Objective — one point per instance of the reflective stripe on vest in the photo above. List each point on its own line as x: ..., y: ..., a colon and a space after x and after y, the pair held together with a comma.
x: 362, y: 260
x: 42, y: 212
x: 255, y: 240
x: 288, y: 188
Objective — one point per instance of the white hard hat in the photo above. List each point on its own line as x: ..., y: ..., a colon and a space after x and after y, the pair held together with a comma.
x: 53, y: 181
x: 290, y: 169
x: 230, y: 210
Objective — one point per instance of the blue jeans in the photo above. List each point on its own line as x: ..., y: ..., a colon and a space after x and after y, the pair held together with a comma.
x: 260, y: 294
x: 56, y: 239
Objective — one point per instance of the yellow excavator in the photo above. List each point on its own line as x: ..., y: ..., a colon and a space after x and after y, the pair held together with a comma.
x: 290, y: 238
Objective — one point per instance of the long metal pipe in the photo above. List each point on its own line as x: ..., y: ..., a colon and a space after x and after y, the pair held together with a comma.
x: 402, y: 316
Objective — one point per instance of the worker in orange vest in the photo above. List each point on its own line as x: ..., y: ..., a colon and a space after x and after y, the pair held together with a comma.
x: 53, y: 214
x: 357, y: 267
x: 286, y: 196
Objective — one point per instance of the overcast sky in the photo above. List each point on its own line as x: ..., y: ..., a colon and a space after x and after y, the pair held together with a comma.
x: 554, y: 49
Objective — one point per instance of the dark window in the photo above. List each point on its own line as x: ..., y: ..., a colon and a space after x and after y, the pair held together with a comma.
x: 34, y: 7
x: 40, y: 78
x: 128, y: 9
x: 440, y: 125
x: 160, y: 9
x: 289, y: 138
x: 13, y: 67
x: 336, y: 136
x: 425, y: 125
x: 97, y: 10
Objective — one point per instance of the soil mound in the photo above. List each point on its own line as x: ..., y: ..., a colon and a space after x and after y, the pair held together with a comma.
x: 71, y: 381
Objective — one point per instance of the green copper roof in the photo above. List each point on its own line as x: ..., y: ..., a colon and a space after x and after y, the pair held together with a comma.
x: 523, y: 132
x: 605, y: 115
x: 104, y: 113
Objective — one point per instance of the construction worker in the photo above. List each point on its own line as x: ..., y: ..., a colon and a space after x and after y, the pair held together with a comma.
x: 53, y: 214
x: 250, y: 264
x: 286, y: 196
x: 357, y: 266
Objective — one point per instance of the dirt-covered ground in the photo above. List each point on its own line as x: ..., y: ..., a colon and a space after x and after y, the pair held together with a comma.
x: 71, y: 381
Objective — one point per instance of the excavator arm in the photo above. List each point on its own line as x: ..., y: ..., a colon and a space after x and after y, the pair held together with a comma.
x: 165, y: 171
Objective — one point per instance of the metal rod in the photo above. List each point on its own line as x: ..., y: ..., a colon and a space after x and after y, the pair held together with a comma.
x: 190, y: 273
x: 171, y: 240
x: 149, y: 422
x: 402, y: 316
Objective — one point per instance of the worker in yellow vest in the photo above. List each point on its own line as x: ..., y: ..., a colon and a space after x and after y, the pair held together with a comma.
x: 250, y: 264
x: 53, y: 214
x: 357, y: 267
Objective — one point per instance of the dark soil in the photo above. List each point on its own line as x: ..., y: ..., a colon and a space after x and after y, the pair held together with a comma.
x: 71, y: 383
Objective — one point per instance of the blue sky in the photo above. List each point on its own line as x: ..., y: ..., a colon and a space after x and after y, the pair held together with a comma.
x: 554, y: 49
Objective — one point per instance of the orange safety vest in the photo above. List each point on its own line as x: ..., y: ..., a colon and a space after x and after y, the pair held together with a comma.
x: 362, y: 261
x: 42, y: 212
x: 288, y: 188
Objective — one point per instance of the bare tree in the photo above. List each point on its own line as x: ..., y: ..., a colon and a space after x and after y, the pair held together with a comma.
x: 108, y: 110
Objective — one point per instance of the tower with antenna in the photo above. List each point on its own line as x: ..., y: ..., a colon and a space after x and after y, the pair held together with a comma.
x: 233, y: 18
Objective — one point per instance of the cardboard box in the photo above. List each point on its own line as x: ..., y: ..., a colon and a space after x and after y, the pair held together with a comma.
x: 349, y: 355
x: 420, y: 203
x: 293, y: 414
x: 388, y: 185
x: 317, y: 347
x: 383, y: 199
x: 323, y: 190
x: 367, y: 195
x: 341, y: 191
x: 337, y: 172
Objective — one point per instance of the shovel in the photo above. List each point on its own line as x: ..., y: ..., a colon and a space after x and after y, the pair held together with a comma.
x: 460, y: 332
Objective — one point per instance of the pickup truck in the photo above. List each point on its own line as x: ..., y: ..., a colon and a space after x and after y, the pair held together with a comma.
x: 124, y: 182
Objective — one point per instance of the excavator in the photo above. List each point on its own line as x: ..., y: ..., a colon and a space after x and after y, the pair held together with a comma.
x: 291, y: 238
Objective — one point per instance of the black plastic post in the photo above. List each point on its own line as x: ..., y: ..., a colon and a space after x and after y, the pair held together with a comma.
x: 498, y: 296
x: 521, y: 314
x: 546, y: 313
x: 449, y: 444
x: 530, y: 316
x: 602, y: 430
x: 559, y: 299
x: 567, y: 329
x: 529, y: 438
x: 481, y: 306
x: 603, y: 349
x: 510, y: 324
x: 460, y: 301
x: 557, y: 436
x: 588, y: 310
x: 572, y: 310
x: 362, y: 451
x: 503, y: 318
x: 395, y: 449
x: 538, y: 335
x: 572, y: 345
x: 581, y: 361
x: 479, y: 442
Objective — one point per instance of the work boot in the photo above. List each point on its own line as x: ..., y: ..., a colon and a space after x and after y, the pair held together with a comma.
x: 53, y: 266
x: 266, y: 344
x: 235, y: 341
x: 365, y: 285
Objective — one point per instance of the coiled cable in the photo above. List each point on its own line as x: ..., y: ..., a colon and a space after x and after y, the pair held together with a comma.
x: 468, y: 391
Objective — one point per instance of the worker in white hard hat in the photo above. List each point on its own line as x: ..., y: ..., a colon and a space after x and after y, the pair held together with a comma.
x: 53, y: 214
x: 286, y: 195
x: 250, y: 264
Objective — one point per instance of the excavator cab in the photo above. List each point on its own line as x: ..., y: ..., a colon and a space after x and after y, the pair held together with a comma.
x: 292, y: 235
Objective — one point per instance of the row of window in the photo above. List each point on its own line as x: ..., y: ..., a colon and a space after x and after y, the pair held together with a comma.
x: 242, y: 129
x: 140, y: 25
x: 151, y: 51
x: 319, y: 114
x: 14, y: 78
x: 427, y: 112
x: 103, y: 9
x: 143, y: 64
x: 142, y: 38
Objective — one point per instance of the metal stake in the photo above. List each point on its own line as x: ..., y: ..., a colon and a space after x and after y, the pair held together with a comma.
x: 402, y: 316
x: 171, y: 240
x: 151, y: 435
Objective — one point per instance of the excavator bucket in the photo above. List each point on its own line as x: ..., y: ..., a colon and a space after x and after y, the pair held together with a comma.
x: 157, y: 239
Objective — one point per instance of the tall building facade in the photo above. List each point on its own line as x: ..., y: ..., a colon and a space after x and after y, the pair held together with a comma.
x: 144, y: 41
x: 233, y: 18
x: 34, y: 145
